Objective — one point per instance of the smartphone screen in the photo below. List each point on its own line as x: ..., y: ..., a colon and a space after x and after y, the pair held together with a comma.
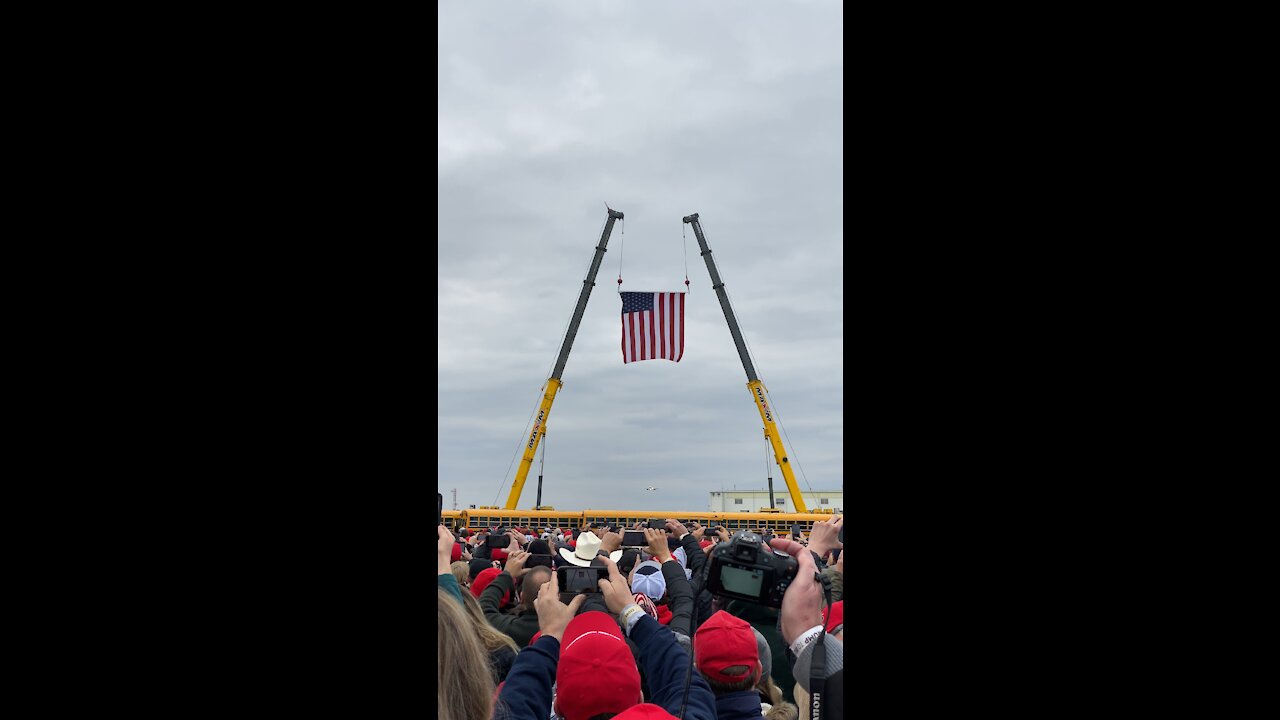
x: 537, y: 560
x: 655, y: 524
x: 440, y: 509
x: 633, y: 538
x: 574, y: 579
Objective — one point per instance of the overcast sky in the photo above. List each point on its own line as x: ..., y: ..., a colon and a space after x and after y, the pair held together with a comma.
x: 548, y: 110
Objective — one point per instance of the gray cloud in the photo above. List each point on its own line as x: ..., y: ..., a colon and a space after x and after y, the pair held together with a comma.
x: 546, y: 111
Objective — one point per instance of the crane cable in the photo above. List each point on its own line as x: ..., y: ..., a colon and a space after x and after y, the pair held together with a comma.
x: 776, y: 412
x: 685, y: 238
x: 622, y: 246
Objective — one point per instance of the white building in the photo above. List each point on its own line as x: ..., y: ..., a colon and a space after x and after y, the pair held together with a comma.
x: 753, y: 500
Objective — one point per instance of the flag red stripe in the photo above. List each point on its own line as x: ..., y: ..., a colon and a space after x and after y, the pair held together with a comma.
x: 653, y: 337
x: 671, y: 324
x: 682, y: 298
x: 662, y: 312
x: 633, y: 337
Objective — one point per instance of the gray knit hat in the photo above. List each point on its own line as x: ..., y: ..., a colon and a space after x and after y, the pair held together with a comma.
x: 766, y: 655
x: 835, y: 660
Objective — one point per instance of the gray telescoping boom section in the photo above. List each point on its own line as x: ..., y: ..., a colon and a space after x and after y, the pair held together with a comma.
x: 554, y: 382
x: 753, y: 381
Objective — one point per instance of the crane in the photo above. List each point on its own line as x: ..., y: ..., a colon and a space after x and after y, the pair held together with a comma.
x: 554, y: 382
x: 758, y: 391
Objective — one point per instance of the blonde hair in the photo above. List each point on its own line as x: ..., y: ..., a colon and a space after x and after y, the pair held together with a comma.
x: 462, y: 573
x: 464, y: 681
x: 490, y: 637
x: 781, y: 710
x: 802, y: 702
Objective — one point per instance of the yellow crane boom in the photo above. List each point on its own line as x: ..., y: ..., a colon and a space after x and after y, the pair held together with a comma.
x: 758, y: 392
x: 554, y: 382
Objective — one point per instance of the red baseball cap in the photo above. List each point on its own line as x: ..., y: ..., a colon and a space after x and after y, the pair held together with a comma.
x: 596, y: 673
x: 456, y: 553
x: 724, y: 641
x: 646, y: 711
x: 835, y: 618
x: 482, y: 581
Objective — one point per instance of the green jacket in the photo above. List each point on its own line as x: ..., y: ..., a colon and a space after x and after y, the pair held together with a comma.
x: 520, y: 627
x: 448, y: 583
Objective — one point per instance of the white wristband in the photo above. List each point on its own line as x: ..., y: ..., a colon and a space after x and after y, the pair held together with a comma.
x: 805, y: 638
x: 631, y: 615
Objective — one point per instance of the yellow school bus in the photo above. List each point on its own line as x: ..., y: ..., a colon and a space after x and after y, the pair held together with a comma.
x: 536, y: 520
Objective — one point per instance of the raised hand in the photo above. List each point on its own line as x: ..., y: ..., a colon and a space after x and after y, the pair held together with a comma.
x: 443, y: 542
x: 553, y: 615
x: 617, y: 594
x: 444, y: 549
x: 802, y: 603
x: 515, y: 564
x: 658, y: 547
x: 826, y: 536
x: 610, y: 541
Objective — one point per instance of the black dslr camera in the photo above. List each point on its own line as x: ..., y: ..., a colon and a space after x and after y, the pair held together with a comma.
x: 746, y: 570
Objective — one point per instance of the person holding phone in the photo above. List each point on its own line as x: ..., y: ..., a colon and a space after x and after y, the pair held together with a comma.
x: 522, y: 622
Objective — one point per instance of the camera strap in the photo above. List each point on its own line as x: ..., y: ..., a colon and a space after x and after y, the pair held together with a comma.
x: 818, y: 668
x: 688, y: 679
x: 817, y: 677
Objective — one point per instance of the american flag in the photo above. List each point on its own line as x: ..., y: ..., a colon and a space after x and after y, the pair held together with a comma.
x: 652, y: 326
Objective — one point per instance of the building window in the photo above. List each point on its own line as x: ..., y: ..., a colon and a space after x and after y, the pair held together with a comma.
x: 823, y: 501
x: 737, y: 501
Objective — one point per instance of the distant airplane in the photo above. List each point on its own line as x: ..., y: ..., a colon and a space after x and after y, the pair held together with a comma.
x: 651, y: 488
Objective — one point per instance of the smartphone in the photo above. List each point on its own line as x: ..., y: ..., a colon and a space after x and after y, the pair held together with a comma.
x: 440, y: 509
x: 575, y: 581
x: 634, y: 538
x: 497, y: 541
x: 795, y: 531
x: 655, y: 524
x: 537, y: 560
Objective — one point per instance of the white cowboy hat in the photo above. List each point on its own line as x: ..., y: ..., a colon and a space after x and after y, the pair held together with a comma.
x: 586, y: 549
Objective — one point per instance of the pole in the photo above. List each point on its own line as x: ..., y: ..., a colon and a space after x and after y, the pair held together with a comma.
x: 768, y: 468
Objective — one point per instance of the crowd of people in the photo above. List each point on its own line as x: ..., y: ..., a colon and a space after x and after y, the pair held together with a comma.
x: 646, y: 638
